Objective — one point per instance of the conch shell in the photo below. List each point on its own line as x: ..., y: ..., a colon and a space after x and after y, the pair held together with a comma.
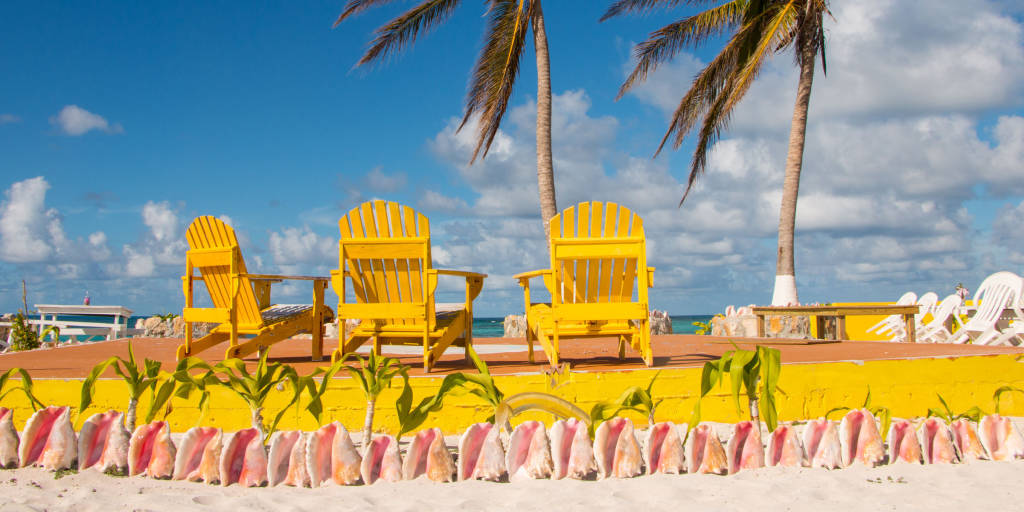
x: 860, y: 439
x: 428, y: 455
x: 968, y: 443
x: 103, y: 442
x: 286, y: 463
x: 8, y: 439
x: 665, y: 450
x: 198, y: 457
x: 821, y: 440
x: 617, y: 450
x: 381, y: 461
x: 706, y: 454
x: 330, y: 455
x: 937, y: 442
x: 49, y: 440
x: 480, y: 454
x: 244, y: 460
x: 571, y: 450
x: 1001, y: 438
x: 785, y: 448
x: 745, y: 450
x: 528, y: 456
x: 903, y: 445
x: 151, y: 451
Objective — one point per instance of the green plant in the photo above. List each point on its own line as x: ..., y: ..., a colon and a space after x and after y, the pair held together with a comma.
x: 881, y: 412
x: 373, y: 375
x: 139, y: 379
x: 167, y: 316
x: 973, y: 414
x: 702, y: 328
x: 255, y: 388
x: 482, y: 385
x: 757, y: 371
x: 998, y: 394
x: 23, y: 337
x: 26, y: 387
x: 189, y: 383
x: 634, y: 398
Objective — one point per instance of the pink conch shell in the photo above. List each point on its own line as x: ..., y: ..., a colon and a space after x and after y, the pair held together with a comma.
x: 665, y: 450
x: 858, y: 434
x: 785, y: 448
x: 49, y: 440
x: 706, y: 454
x: 286, y: 463
x: 103, y: 442
x: 198, y: 457
x: 8, y: 439
x: 821, y: 440
x: 428, y: 455
x: 937, y: 443
x: 1001, y: 438
x: 151, y: 451
x: 968, y: 443
x: 244, y: 460
x: 822, y: 445
x: 330, y: 455
x: 745, y: 450
x: 617, y: 450
x: 903, y: 445
x: 481, y: 456
x: 571, y: 450
x: 381, y: 461
x: 529, y: 455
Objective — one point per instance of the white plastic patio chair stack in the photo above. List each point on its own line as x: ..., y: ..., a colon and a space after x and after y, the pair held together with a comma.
x: 892, y: 325
x: 997, y: 292
x: 927, y: 303
x: 935, y: 331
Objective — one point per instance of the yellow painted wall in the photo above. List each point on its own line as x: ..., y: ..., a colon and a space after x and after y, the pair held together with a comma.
x: 907, y: 387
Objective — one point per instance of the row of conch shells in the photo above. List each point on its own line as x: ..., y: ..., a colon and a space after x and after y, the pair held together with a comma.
x: 328, y: 455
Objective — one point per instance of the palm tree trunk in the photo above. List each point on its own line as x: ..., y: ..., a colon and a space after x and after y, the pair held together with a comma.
x: 129, y: 417
x: 785, y: 274
x: 368, y: 423
x: 545, y: 168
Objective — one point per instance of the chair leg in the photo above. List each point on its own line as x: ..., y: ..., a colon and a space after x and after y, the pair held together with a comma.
x: 622, y: 347
x: 529, y: 341
x: 553, y: 356
x: 426, y: 353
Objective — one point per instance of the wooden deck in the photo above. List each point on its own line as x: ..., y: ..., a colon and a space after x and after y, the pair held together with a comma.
x: 504, y: 355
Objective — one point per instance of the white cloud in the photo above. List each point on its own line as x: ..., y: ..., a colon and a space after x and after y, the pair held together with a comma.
x: 9, y: 119
x: 161, y: 220
x: 298, y: 250
x: 379, y: 181
x: 74, y: 120
x: 27, y: 227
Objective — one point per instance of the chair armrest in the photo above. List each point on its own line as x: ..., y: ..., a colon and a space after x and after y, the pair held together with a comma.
x: 460, y: 273
x: 271, y: 277
x: 526, y: 276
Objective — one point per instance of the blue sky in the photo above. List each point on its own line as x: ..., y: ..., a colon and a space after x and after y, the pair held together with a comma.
x: 119, y: 123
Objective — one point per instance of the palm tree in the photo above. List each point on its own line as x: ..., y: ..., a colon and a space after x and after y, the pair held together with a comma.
x: 758, y: 28
x: 494, y: 74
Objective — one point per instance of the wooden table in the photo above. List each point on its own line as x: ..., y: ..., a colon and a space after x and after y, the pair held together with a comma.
x: 821, y: 313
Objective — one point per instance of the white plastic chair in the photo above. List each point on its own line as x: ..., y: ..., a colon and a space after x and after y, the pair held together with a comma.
x: 997, y: 292
x: 927, y: 304
x: 935, y: 331
x: 893, y: 324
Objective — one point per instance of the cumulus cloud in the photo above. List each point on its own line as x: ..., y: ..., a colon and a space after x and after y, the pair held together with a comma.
x: 9, y: 119
x: 74, y: 121
x: 29, y: 231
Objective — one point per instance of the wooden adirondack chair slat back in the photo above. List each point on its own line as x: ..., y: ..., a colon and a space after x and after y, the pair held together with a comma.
x: 213, y: 250
x: 384, y: 251
x: 596, y: 251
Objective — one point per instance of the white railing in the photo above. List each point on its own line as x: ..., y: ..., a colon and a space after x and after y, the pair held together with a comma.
x: 48, y: 313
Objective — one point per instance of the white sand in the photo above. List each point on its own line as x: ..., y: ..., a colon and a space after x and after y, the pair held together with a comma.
x: 990, y: 485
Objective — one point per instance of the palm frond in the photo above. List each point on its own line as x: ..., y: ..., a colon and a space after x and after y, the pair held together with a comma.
x: 496, y: 69
x: 779, y: 25
x: 403, y: 30
x: 665, y: 43
x: 354, y: 7
x: 633, y: 6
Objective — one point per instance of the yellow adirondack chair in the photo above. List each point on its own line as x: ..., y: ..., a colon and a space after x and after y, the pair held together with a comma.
x: 241, y: 301
x: 384, y: 255
x: 598, y: 256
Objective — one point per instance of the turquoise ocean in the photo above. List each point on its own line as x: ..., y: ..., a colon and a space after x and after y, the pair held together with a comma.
x: 483, y: 327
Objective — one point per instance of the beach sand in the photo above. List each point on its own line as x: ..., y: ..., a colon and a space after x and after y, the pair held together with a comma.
x: 987, y: 485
